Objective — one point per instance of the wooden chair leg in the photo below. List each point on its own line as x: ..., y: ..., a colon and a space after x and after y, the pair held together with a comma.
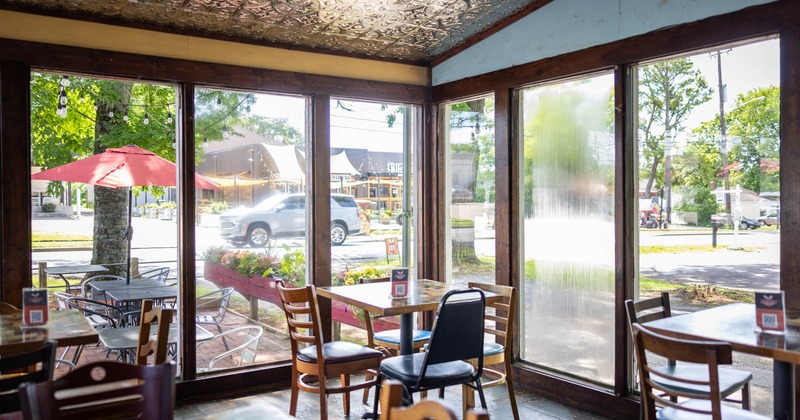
x: 295, y: 391
x: 510, y: 385
x: 467, y: 399
x: 346, y: 395
x: 441, y: 393
x: 367, y: 377
x: 323, y: 399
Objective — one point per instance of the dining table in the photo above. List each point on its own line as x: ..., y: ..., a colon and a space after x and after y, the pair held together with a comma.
x: 68, y: 327
x: 423, y: 295
x: 736, y: 324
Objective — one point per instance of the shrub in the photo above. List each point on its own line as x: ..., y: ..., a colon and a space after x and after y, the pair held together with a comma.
x: 48, y: 208
x: 219, y: 207
x: 349, y: 277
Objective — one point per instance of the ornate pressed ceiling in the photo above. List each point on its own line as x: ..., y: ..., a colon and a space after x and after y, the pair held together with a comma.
x: 415, y: 31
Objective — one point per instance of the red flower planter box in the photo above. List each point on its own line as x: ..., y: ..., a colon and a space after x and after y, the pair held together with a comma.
x: 265, y: 288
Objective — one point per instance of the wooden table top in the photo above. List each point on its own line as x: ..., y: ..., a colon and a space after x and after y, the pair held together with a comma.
x: 735, y: 324
x: 139, y: 293
x: 69, y: 327
x: 423, y: 295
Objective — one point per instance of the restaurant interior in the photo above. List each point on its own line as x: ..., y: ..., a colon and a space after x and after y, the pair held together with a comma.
x: 528, y: 186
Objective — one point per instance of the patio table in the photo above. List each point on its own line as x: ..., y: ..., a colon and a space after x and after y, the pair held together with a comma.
x: 125, y: 339
x: 100, y: 287
x: 736, y: 324
x: 126, y: 296
x: 423, y: 295
x: 74, y: 269
x: 69, y: 327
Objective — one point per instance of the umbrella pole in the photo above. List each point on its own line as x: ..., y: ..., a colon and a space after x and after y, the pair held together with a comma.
x: 129, y: 236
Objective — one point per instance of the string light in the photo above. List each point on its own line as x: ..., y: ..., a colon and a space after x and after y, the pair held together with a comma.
x: 169, y: 117
x: 64, y: 81
x: 146, y: 117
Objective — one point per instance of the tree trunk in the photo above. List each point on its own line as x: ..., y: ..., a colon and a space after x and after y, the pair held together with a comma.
x: 652, y: 177
x: 110, y: 204
x: 464, y: 246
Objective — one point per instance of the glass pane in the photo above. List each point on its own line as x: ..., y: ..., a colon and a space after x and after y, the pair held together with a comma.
x: 568, y: 227
x: 711, y: 158
x: 470, y: 192
x: 251, y: 229
x: 370, y: 150
x: 80, y: 228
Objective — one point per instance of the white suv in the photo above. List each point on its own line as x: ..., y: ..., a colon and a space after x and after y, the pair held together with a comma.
x: 285, y: 216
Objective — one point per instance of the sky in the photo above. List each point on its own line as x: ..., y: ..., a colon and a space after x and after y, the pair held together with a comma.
x: 363, y: 125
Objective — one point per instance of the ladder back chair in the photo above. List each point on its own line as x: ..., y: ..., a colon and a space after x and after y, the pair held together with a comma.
x: 703, y: 391
x: 731, y: 380
x: 160, y: 318
x: 323, y: 360
x: 500, y: 326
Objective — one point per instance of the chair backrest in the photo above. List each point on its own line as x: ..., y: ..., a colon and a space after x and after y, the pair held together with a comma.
x: 36, y: 365
x: 709, y: 353
x: 103, y: 390
x: 159, y: 273
x: 62, y: 300
x: 504, y: 312
x: 458, y: 330
x: 647, y: 310
x: 102, y: 315
x: 297, y: 304
x: 161, y: 318
x: 7, y: 308
x: 86, y: 288
x: 247, y: 350
x: 219, y: 297
x: 392, y: 409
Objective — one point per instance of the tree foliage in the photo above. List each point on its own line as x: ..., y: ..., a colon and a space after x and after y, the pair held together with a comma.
x: 668, y: 92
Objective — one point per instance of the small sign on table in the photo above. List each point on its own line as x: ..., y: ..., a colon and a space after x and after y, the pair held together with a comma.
x: 770, y: 312
x: 34, y: 306
x: 399, y: 283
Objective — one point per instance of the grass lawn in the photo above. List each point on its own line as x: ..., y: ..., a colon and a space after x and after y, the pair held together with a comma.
x: 59, y: 240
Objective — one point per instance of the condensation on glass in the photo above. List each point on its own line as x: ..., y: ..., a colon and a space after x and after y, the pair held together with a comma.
x: 567, y: 212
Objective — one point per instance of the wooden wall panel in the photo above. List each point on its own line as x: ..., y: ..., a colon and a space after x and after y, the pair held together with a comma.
x: 15, y: 194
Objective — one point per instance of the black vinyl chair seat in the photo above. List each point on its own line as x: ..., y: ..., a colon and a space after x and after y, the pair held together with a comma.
x: 730, y: 380
x: 728, y: 412
x: 407, y: 368
x: 338, y: 352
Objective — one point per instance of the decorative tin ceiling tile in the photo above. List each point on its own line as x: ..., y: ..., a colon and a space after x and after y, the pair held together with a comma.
x: 406, y: 30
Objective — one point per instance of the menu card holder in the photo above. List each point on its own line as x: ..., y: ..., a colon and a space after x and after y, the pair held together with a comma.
x: 771, y: 312
x: 399, y: 283
x: 34, y: 306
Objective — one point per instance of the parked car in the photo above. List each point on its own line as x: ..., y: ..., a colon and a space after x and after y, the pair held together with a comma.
x: 285, y: 216
x: 769, y: 220
x: 746, y: 223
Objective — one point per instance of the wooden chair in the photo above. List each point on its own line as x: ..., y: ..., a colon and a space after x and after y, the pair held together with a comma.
x: 35, y: 365
x: 495, y: 352
x: 104, y: 390
x: 151, y: 315
x: 391, y: 407
x: 731, y: 380
x: 704, y: 392
x: 338, y: 358
x: 388, y: 339
x: 457, y: 336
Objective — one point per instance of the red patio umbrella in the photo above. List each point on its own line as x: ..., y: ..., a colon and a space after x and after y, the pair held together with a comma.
x: 128, y: 166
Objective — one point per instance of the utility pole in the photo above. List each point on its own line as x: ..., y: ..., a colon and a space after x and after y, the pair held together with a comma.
x: 723, y: 97
x: 668, y: 143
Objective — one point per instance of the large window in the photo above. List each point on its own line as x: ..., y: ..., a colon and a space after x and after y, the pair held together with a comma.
x: 469, y: 191
x: 371, y: 193
x: 567, y: 216
x: 709, y: 180
x: 251, y: 229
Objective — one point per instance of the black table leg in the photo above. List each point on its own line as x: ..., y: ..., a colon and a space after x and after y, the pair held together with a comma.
x: 407, y: 333
x: 783, y: 384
